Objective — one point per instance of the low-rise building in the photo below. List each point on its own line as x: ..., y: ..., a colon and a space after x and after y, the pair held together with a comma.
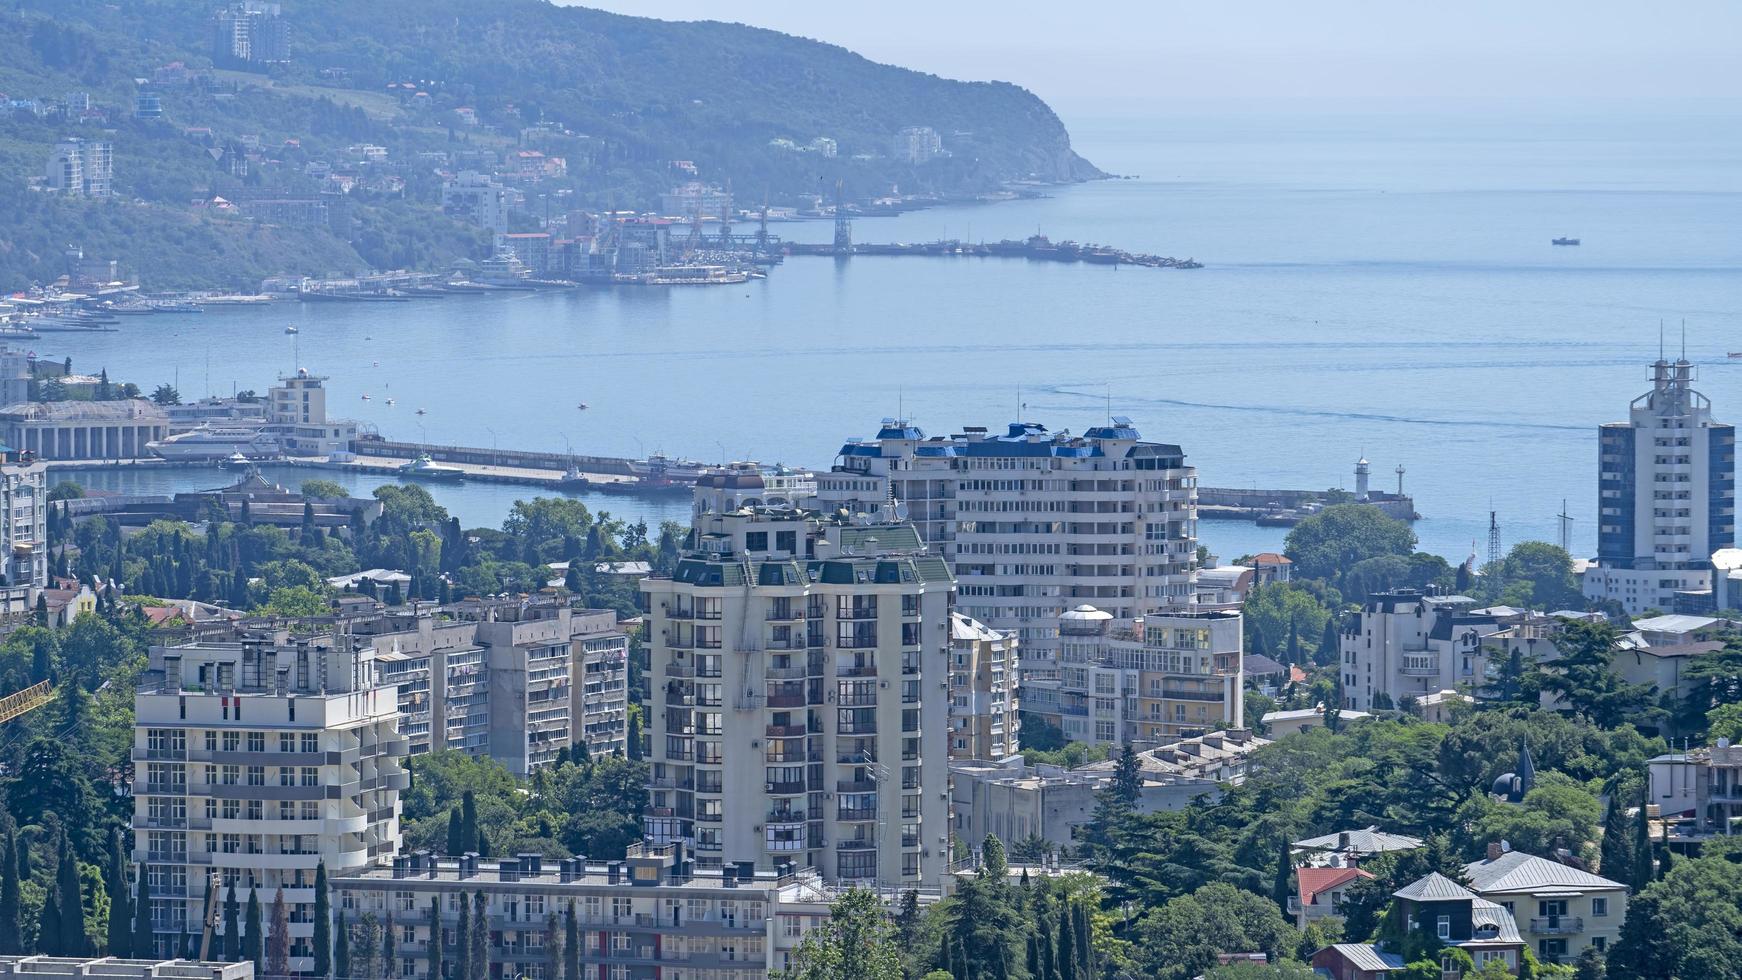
x: 1277, y: 724
x: 652, y: 915
x: 1457, y: 916
x: 1353, y: 845
x: 1407, y: 643
x: 116, y: 968
x: 1702, y: 787
x: 478, y: 199
x: 296, y: 414
x: 1558, y: 908
x: 83, y: 430
x: 1319, y: 891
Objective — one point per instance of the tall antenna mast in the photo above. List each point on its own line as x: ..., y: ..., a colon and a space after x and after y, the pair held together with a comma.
x: 1493, y: 538
x: 1566, y: 527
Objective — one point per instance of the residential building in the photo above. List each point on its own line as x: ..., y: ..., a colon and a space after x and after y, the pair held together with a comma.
x: 984, y: 705
x: 1016, y: 801
x: 478, y: 199
x: 1406, y: 644
x: 1319, y: 891
x: 81, y: 168
x: 1034, y: 522
x: 1354, y: 846
x: 249, y: 34
x: 916, y: 145
x: 1166, y: 675
x: 1356, y: 961
x: 296, y: 414
x: 308, y: 212
x: 1666, y: 497
x: 24, y: 507
x: 147, y: 104
x: 83, y: 430
x: 17, y: 367
x: 255, y: 764
x: 694, y: 197
x: 1559, y: 908
x: 654, y: 914
x: 799, y: 673
x: 516, y: 680
x: 1292, y: 721
x: 1461, y: 917
x: 1700, y: 788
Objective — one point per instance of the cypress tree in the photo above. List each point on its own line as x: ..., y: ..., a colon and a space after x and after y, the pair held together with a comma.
x: 435, y: 939
x: 1033, y: 960
x: 1085, y: 945
x: 944, y: 962
x: 1617, y: 849
x: 24, y: 869
x: 1067, y: 947
x: 634, y: 735
x: 323, y: 932
x: 1279, y: 888
x: 389, y: 949
x: 11, y: 941
x: 1049, y: 966
x: 571, y: 945
x: 462, y: 968
x: 232, y: 927
x: 72, y: 905
x: 48, y: 932
x: 278, y: 944
x: 554, y: 950
x: 144, y: 944
x: 341, y: 946
x: 456, y: 833
x: 468, y: 821
x: 253, y: 933
x: 120, y: 907
x: 1328, y: 651
x: 1643, y: 872
x: 1292, y: 650
x: 480, y: 937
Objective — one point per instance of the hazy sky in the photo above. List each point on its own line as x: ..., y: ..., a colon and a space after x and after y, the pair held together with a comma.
x: 1074, y: 54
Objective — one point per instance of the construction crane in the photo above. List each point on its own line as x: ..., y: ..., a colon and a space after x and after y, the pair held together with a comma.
x: 211, y: 917
x: 694, y: 243
x: 25, y: 701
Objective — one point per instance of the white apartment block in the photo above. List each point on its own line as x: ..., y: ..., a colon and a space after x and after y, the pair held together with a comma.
x: 81, y: 168
x: 478, y: 199
x: 1407, y: 644
x: 652, y: 915
x: 1035, y: 522
x: 255, y: 764
x: 985, y: 713
x: 24, y: 511
x: 799, y: 706
x: 1666, y: 495
x: 515, y: 680
x: 1162, y: 677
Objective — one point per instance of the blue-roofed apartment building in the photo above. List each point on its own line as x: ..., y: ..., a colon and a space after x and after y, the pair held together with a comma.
x: 1036, y: 522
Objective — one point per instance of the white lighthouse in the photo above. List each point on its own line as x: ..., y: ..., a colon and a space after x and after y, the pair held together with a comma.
x: 1361, y: 473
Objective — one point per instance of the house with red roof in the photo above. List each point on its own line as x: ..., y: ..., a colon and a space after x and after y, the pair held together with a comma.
x: 1319, y: 892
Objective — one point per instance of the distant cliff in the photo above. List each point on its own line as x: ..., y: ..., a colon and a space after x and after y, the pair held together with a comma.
x: 441, y: 84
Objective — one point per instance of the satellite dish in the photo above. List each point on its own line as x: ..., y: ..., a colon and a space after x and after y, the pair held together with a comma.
x: 900, y: 511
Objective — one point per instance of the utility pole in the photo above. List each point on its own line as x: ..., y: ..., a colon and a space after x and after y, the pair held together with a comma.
x: 1566, y: 522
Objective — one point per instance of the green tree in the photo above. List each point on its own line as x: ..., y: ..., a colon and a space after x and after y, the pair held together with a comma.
x: 144, y: 941
x: 1585, y: 681
x: 857, y: 943
x: 232, y: 926
x: 435, y: 940
x: 1644, y: 870
x: 571, y: 945
x: 166, y: 395
x: 254, y: 934
x: 1548, y: 572
x: 1615, y: 860
x: 1685, y: 925
x: 462, y: 968
x: 1324, y: 545
x: 11, y: 936
x: 389, y: 954
x: 119, y: 889
x: 323, y: 926
x: 278, y: 943
x: 341, y: 946
x: 993, y: 863
x: 366, y: 946
x: 323, y: 490
x: 480, y: 947
x: 456, y: 832
x: 1183, y: 937
x: 72, y: 941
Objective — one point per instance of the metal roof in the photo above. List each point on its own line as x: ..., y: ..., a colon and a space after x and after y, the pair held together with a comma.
x: 1372, y: 840
x: 1516, y: 871
x: 1435, y: 887
x: 1366, y: 956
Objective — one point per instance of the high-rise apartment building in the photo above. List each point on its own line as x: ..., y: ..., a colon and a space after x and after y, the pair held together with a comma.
x: 1666, y: 495
x: 1036, y: 522
x: 255, y: 764
x: 249, y: 34
x: 24, y: 508
x: 799, y: 709
x: 985, y: 709
x: 515, y: 680
x: 81, y: 168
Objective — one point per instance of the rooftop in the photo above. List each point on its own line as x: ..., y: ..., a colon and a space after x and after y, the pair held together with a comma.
x: 1516, y: 871
x: 130, y: 409
x: 1371, y: 840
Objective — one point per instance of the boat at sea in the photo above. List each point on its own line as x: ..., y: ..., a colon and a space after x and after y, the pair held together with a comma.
x: 1735, y: 354
x: 176, y: 306
x: 209, y: 443
x: 425, y: 468
x: 573, y: 479
x: 1564, y: 241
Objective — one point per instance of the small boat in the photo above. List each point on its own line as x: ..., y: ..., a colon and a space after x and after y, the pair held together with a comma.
x: 424, y: 468
x: 573, y: 479
x: 390, y: 401
x: 582, y: 406
x: 1564, y: 241
x: 291, y: 328
x: 237, y: 461
x: 1735, y: 354
x: 365, y: 397
x: 422, y: 412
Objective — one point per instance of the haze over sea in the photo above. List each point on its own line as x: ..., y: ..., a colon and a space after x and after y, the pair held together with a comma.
x: 1378, y: 280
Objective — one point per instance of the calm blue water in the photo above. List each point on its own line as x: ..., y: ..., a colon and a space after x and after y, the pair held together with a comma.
x: 1376, y: 283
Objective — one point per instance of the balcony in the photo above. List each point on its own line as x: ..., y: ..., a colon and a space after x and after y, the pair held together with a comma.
x: 793, y: 788
x: 853, y: 670
x: 1557, y: 925
x: 786, y: 700
x: 784, y: 731
x: 1420, y: 667
x: 785, y: 673
x: 855, y: 786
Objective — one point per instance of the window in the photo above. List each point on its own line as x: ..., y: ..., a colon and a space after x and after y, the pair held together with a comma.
x: 1444, y: 928
x: 1599, y: 907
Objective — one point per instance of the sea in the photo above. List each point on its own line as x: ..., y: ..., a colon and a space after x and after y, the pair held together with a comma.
x: 1378, y: 281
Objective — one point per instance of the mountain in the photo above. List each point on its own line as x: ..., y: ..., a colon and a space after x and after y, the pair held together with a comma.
x: 576, y: 108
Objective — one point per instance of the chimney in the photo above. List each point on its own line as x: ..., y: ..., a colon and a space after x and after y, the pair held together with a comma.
x: 1495, y: 850
x: 1343, y: 841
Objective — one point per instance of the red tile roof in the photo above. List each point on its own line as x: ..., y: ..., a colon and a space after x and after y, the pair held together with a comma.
x: 1315, y: 881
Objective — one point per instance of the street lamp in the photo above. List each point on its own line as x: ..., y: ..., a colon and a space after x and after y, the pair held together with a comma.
x: 494, y: 461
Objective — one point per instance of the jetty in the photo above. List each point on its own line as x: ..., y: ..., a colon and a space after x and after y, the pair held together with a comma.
x: 1036, y: 248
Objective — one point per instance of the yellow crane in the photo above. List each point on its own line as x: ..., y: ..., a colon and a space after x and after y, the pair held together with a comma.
x: 25, y: 701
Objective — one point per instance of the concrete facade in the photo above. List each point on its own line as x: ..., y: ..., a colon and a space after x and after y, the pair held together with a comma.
x: 83, y: 430
x: 985, y: 708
